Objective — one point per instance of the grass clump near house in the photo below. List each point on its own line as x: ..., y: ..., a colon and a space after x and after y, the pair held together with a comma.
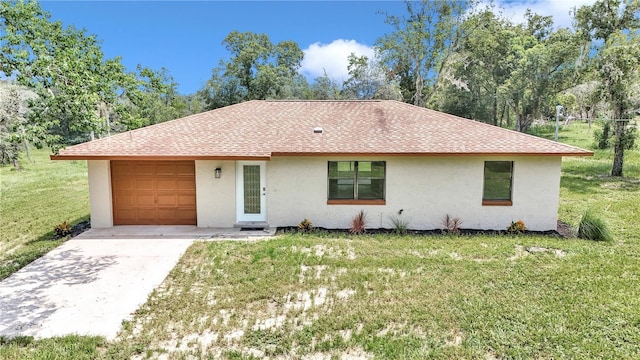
x: 593, y: 227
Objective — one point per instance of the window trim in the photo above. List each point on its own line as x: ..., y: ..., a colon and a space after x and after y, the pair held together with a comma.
x: 498, y: 202
x: 355, y: 200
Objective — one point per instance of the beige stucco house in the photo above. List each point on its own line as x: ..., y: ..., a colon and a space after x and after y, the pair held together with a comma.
x: 276, y: 162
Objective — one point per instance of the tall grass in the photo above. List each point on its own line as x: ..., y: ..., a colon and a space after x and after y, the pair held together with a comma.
x: 593, y: 227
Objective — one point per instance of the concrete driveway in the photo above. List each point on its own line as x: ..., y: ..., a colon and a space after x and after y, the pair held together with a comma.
x: 86, y: 286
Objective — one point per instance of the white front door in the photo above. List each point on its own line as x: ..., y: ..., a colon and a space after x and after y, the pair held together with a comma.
x: 251, y: 190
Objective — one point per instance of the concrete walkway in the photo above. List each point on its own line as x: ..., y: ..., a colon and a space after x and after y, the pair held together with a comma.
x: 89, y: 284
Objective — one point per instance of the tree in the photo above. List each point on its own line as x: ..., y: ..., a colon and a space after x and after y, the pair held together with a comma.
x: 11, y: 120
x: 323, y: 88
x: 257, y: 69
x: 65, y: 67
x: 587, y: 99
x: 545, y: 66
x: 154, y: 99
x: 367, y: 80
x: 611, y: 26
x: 422, y: 41
x: 481, y: 64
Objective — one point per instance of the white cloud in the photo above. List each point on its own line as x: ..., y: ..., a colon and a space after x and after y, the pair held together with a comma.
x: 332, y: 58
x: 559, y: 9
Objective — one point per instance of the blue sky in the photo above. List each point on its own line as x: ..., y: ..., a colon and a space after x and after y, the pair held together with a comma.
x: 186, y: 36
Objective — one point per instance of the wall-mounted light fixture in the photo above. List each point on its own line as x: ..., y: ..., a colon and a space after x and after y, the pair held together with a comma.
x: 218, y: 173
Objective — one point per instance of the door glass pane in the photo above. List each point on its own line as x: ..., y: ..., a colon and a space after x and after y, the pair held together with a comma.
x: 251, y: 189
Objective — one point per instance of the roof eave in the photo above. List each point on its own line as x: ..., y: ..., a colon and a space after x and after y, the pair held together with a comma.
x: 160, y: 157
x: 586, y: 153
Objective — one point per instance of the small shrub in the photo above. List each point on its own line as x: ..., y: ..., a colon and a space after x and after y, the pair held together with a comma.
x: 358, y: 223
x: 400, y: 224
x: 593, y: 227
x: 63, y: 229
x: 305, y: 226
x: 603, y: 137
x: 629, y: 138
x: 451, y: 224
x: 516, y: 227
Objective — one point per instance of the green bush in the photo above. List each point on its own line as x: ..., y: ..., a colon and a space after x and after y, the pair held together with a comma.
x: 603, y: 137
x: 593, y: 227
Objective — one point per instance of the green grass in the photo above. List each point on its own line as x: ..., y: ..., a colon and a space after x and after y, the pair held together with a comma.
x: 395, y: 297
x: 388, y: 297
x: 34, y: 200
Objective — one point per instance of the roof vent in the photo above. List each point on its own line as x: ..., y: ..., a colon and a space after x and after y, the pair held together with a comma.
x: 317, y: 130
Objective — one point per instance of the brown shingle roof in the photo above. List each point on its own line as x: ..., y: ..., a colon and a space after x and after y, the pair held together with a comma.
x: 261, y: 129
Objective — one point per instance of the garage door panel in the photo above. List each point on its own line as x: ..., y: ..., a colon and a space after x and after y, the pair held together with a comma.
x: 145, y: 183
x: 125, y: 199
x: 125, y: 216
x: 164, y: 184
x: 186, y: 200
x: 186, y: 216
x: 185, y: 184
x: 146, y: 216
x: 153, y: 192
x: 144, y: 168
x: 124, y: 184
x: 186, y: 169
x: 166, y: 169
x: 121, y: 168
x: 145, y: 200
x: 166, y: 215
x: 167, y: 200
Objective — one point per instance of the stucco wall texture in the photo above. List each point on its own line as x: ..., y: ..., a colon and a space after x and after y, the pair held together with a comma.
x: 425, y: 189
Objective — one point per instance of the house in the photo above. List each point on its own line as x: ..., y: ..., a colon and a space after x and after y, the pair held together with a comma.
x: 277, y: 162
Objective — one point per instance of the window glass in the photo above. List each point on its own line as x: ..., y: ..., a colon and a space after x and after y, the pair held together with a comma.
x: 497, y: 180
x: 341, y: 169
x: 370, y: 188
x: 356, y: 180
x: 371, y: 169
x: 341, y: 188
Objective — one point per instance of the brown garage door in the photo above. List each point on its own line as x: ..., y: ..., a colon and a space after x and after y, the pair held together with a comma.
x: 153, y: 192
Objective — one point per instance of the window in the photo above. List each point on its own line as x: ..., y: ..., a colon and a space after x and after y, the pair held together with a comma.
x: 356, y: 182
x: 498, y: 177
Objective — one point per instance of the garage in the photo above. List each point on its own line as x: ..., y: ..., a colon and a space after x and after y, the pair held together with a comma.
x: 153, y: 192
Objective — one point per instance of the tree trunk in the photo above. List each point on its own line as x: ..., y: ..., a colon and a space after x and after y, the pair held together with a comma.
x: 417, y: 97
x: 618, y: 148
x: 495, y: 108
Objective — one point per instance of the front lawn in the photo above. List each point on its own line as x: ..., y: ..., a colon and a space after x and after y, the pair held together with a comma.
x: 34, y: 200
x: 394, y: 297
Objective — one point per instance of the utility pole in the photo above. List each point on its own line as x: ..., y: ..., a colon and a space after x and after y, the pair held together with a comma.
x: 558, y: 114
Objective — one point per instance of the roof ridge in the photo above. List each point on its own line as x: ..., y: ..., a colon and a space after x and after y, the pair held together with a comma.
x: 323, y: 101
